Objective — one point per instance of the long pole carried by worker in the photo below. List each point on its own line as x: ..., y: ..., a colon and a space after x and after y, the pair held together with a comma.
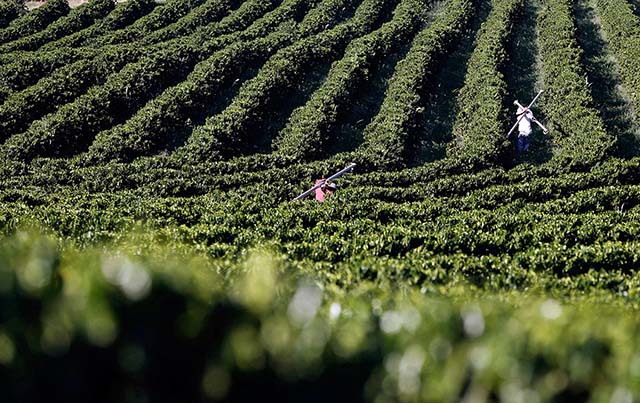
x: 323, y: 183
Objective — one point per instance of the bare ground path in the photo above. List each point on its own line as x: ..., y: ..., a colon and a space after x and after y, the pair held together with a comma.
x: 524, y: 79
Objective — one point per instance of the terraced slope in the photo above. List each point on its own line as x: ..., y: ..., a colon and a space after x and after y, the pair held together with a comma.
x: 193, y: 124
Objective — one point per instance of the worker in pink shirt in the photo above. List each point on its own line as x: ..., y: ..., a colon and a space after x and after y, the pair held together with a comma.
x: 324, y: 190
x: 324, y: 187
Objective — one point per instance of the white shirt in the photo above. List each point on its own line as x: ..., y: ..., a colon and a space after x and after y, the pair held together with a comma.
x: 524, y: 126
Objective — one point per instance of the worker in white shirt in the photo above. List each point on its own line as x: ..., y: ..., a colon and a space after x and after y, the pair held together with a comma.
x: 525, y: 117
x: 524, y: 128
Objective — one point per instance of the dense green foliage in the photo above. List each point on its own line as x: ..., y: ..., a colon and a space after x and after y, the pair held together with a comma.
x: 577, y: 128
x: 225, y: 135
x: 386, y: 137
x: 479, y: 129
x: 150, y: 250
x: 228, y: 325
x: 306, y: 133
x: 32, y: 22
x: 85, y: 15
x: 622, y: 28
x: 160, y: 17
x: 10, y: 10
x: 130, y: 12
x: 172, y: 111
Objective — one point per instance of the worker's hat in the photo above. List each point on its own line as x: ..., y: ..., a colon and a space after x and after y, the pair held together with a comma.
x: 332, y: 186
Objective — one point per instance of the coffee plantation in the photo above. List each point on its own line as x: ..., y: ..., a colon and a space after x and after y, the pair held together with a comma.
x: 151, y: 250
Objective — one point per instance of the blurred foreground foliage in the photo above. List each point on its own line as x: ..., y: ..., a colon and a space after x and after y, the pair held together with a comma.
x: 137, y: 320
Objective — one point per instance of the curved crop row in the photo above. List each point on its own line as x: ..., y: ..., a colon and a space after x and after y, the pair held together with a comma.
x: 9, y: 11
x: 174, y: 108
x: 583, y: 218
x: 622, y: 30
x: 63, y: 86
x: 80, y: 17
x: 440, y: 226
x: 479, y: 135
x: 501, y: 186
x: 224, y: 135
x: 121, y: 94
x: 504, y: 231
x: 23, y: 69
x: 39, y: 70
x: 574, y: 193
x: 494, y: 191
x: 387, y: 136
x: 485, y: 190
x: 29, y: 68
x: 576, y: 127
x: 212, y: 10
x: 251, y: 20
x: 307, y: 130
x: 34, y: 21
x: 314, y: 233
x: 403, y: 227
x: 163, y: 176
x: 122, y: 16
x: 524, y: 183
x: 20, y: 109
x: 159, y: 18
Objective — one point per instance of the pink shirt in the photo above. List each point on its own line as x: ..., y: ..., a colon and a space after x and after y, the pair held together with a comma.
x: 320, y: 194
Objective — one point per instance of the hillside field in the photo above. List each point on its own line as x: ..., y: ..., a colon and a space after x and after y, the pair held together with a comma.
x: 151, y: 251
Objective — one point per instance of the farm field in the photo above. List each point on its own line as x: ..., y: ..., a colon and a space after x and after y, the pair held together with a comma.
x: 151, y: 250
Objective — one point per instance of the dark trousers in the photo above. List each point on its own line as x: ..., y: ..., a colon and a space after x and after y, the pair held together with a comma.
x: 523, y: 142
